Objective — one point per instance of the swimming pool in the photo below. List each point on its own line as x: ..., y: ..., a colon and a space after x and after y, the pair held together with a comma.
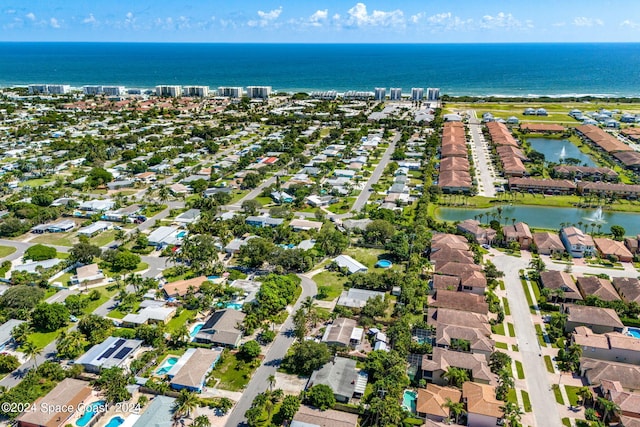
x: 196, y: 329
x: 89, y: 412
x: 167, y: 365
x: 181, y: 234
x: 633, y: 332
x: 234, y: 305
x: 384, y: 263
x: 409, y: 398
x: 115, y: 422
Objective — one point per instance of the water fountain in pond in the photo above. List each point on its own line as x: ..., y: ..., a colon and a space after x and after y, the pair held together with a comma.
x: 597, y: 216
x: 563, y: 153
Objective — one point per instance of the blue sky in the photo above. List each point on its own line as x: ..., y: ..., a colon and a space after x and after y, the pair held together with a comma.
x: 322, y: 21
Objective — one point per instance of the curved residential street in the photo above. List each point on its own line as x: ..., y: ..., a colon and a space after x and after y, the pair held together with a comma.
x: 276, y: 352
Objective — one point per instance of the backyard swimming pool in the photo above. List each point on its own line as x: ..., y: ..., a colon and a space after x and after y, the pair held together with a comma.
x: 384, y: 263
x: 196, y: 329
x: 115, y: 422
x: 167, y: 365
x: 409, y: 398
x: 89, y: 412
x: 633, y: 332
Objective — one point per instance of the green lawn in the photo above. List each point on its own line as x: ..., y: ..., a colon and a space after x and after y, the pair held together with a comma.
x: 505, y: 302
x: 42, y: 339
x: 520, y: 370
x: 90, y: 308
x: 184, y: 317
x: 549, y: 364
x: 527, y: 294
x: 558, y: 394
x: 514, y: 347
x: 104, y: 238
x: 501, y: 345
x: 501, y: 284
x: 6, y: 251
x: 109, y: 273
x: 34, y: 182
x: 526, y: 401
x: 540, y: 334
x: 64, y: 279
x: 512, y: 330
x: 572, y: 394
x: 116, y: 314
x: 367, y: 256
x: 566, y: 422
x: 498, y: 329
x: 237, y: 195
x: 57, y: 239
x: 62, y: 255
x: 233, y: 374
x: 333, y: 282
x: 511, y: 396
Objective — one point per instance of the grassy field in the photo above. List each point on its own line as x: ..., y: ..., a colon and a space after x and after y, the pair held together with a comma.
x: 182, y: 319
x: 558, y: 394
x: 141, y: 267
x: 57, y: 239
x: 572, y: 394
x: 104, y: 238
x: 498, y: 329
x: 519, y: 370
x: 34, y: 182
x: 332, y: 282
x: 42, y: 339
x: 6, y: 251
x: 234, y: 374
x: 367, y: 256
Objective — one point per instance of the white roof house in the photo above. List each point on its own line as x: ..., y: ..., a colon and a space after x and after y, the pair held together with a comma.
x: 357, y: 298
x: 353, y: 266
x: 97, y: 205
x: 150, y: 314
x: 164, y: 235
x: 96, y: 227
x: 188, y: 217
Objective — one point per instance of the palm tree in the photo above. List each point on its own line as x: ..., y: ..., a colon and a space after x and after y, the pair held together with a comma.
x: 272, y: 381
x: 609, y: 408
x: 185, y: 403
x: 537, y: 264
x: 201, y: 421
x: 32, y: 352
x: 455, y: 408
x: 512, y: 413
x: 585, y: 394
x: 456, y: 376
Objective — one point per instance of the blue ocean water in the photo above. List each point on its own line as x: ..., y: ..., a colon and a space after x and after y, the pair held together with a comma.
x: 457, y: 69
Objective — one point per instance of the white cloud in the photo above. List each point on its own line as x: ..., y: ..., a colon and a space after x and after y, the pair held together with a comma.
x: 265, y: 18
x: 630, y: 24
x: 583, y: 21
x: 559, y: 24
x: 360, y: 17
x: 31, y: 16
x: 318, y: 17
x: 10, y: 11
x: 439, y: 18
x: 90, y: 19
x: 502, y: 20
x: 54, y: 23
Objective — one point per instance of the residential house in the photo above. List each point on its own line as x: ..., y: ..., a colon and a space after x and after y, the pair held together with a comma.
x: 88, y: 275
x: 222, y: 328
x: 612, y: 249
x: 305, y: 225
x: 165, y: 236
x: 159, y: 413
x: 518, y: 232
x: 431, y: 401
x: 548, y: 243
x: 97, y: 205
x: 576, y: 242
x: 436, y: 364
x: 461, y: 301
x: 585, y: 172
x: 342, y: 376
x: 601, y: 288
x: 112, y: 352
x: 58, y: 406
x: 633, y: 244
x: 312, y: 417
x: 483, y: 409
x: 188, y: 217
x: 628, y: 402
x: 480, y: 234
x: 597, y: 371
x: 463, y: 338
x: 561, y: 285
x: 34, y: 267
x: 546, y: 186
x: 181, y: 287
x: 282, y: 197
x: 628, y: 288
x: 357, y: 298
x: 263, y: 221
x: 352, y: 266
x: 178, y: 189
x: 612, y: 346
x: 599, y: 320
x: 191, y: 370
x: 446, y: 316
x: 95, y: 228
x: 318, y: 201
x: 343, y: 332
x: 150, y: 314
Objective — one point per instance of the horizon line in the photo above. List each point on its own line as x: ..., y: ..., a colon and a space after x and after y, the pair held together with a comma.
x: 322, y: 43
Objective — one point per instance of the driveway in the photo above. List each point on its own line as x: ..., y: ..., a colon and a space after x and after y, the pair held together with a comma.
x: 259, y: 381
x: 545, y: 409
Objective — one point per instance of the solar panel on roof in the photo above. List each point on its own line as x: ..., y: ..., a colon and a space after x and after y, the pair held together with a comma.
x: 112, y: 349
x: 123, y: 352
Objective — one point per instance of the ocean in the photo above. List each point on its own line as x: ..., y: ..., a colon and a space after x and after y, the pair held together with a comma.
x: 600, y: 69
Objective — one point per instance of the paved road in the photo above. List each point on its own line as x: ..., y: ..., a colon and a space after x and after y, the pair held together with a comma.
x: 545, y: 409
x: 259, y: 381
x: 253, y: 193
x: 373, y: 179
x: 485, y: 174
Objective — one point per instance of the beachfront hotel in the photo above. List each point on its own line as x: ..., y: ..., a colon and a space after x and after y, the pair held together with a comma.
x: 433, y: 94
x: 42, y: 89
x: 168, y: 91
x: 417, y: 93
x: 395, y: 93
x: 106, y: 90
x: 380, y: 94
x: 196, y: 91
x: 230, y: 91
x: 259, y: 92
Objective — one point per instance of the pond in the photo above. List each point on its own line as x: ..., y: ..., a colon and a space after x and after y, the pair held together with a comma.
x: 543, y: 217
x: 556, y: 149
